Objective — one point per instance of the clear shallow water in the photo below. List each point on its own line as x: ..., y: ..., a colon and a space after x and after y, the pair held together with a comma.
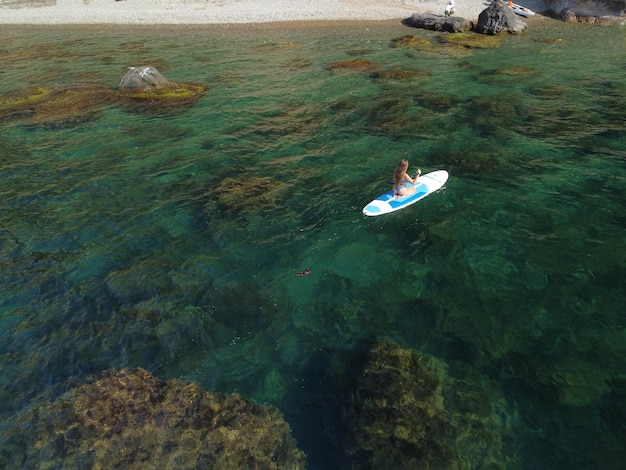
x: 120, y: 245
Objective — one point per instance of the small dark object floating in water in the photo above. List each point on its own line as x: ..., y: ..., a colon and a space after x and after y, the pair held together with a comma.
x: 306, y: 272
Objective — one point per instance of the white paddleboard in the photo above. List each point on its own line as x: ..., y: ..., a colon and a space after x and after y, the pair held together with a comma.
x: 426, y: 184
x: 522, y: 11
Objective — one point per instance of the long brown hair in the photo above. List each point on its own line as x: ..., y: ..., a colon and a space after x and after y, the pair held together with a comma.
x: 402, y: 167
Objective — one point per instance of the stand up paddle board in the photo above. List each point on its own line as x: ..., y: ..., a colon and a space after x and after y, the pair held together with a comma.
x: 522, y: 11
x: 426, y: 184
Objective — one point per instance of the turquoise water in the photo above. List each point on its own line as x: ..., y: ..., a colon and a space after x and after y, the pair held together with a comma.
x: 122, y: 244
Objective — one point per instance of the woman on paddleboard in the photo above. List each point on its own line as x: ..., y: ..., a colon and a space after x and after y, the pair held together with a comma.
x: 401, y: 178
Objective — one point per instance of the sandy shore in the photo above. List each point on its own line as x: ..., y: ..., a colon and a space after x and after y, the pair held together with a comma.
x: 153, y: 12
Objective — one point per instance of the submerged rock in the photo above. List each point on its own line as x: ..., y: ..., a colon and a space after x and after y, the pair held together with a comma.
x: 144, y: 88
x: 233, y: 195
x: 129, y: 419
x: 470, y: 40
x: 140, y: 89
x: 48, y: 105
x: 142, y: 79
x: 358, y: 64
x: 408, y: 413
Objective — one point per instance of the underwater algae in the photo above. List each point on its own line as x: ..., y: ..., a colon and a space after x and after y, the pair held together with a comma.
x: 409, y: 413
x: 128, y: 419
x: 78, y: 103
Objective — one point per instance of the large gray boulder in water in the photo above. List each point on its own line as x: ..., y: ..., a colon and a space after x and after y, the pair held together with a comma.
x: 142, y: 79
x: 451, y: 24
x: 497, y: 18
x: 145, y: 89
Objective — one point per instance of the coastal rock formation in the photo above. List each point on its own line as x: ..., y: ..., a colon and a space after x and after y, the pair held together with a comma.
x: 408, y: 413
x: 129, y: 419
x: 497, y: 18
x: 139, y: 89
x: 146, y: 87
x: 450, y: 24
x: 142, y: 79
x: 588, y: 11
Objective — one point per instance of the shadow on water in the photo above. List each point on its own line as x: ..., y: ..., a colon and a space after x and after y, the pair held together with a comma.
x: 318, y: 405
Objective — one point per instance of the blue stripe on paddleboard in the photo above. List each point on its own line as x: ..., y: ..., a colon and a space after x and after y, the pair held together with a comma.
x: 372, y: 209
x: 399, y: 202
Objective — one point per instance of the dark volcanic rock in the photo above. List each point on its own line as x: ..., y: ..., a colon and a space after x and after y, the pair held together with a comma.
x: 497, y: 18
x: 451, y: 24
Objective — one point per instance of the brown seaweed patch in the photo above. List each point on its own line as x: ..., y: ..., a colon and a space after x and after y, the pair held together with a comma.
x: 166, y: 99
x: 507, y: 73
x: 408, y: 413
x: 437, y: 102
x: 491, y: 115
x: 22, y: 97
x: 515, y: 71
x: 399, y: 74
x: 235, y: 195
x: 136, y: 46
x: 471, y: 162
x: 129, y: 419
x: 74, y: 104
x: 297, y: 122
x: 410, y: 41
x: 471, y: 40
x: 42, y: 105
x: 358, y: 52
x: 298, y: 63
x: 359, y: 65
x: 227, y: 78
x: 550, y: 92
x: 279, y: 46
x: 50, y: 51
x: 393, y: 116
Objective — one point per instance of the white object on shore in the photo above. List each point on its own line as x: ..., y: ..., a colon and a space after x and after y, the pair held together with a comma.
x: 520, y: 10
x: 450, y: 8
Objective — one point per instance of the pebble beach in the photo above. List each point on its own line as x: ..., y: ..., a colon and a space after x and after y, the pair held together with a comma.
x: 190, y: 12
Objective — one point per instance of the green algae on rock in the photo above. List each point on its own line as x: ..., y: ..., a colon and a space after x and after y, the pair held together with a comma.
x: 47, y: 105
x: 24, y: 96
x: 129, y: 419
x: 171, y: 98
x: 408, y: 413
x: 470, y: 40
x: 50, y: 105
